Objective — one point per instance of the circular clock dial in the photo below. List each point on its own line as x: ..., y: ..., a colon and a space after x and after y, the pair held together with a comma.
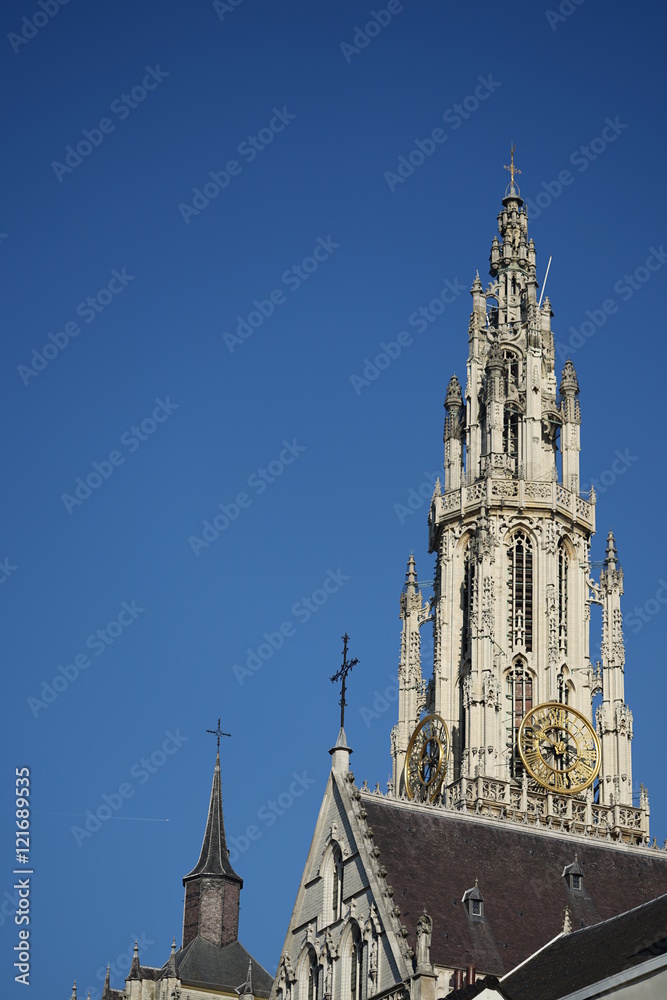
x: 426, y: 759
x: 559, y: 748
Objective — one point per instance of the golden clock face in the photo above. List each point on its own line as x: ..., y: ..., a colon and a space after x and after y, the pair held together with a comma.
x: 426, y: 759
x: 559, y: 748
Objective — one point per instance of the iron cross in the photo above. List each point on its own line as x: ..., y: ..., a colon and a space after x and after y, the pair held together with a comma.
x: 342, y: 675
x: 218, y: 732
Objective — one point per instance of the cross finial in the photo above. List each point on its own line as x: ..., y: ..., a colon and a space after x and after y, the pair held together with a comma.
x: 512, y: 169
x: 341, y: 675
x: 218, y: 732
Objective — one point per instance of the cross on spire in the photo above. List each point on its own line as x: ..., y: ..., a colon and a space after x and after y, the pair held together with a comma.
x: 512, y: 169
x: 218, y: 732
x: 341, y: 675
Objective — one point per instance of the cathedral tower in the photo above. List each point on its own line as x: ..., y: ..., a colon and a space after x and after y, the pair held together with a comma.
x: 512, y: 592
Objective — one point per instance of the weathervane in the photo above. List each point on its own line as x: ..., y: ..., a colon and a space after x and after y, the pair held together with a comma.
x: 342, y: 675
x: 218, y: 732
x: 512, y: 169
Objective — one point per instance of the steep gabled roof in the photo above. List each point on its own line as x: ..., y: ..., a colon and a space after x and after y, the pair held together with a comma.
x: 432, y: 857
x: 574, y: 961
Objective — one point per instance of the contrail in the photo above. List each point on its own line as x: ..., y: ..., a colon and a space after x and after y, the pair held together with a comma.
x: 137, y: 819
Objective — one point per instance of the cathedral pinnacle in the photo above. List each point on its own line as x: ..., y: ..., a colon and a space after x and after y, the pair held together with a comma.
x: 611, y: 556
x: 454, y: 397
x: 135, y: 968
x: 106, y: 989
x: 411, y: 576
x: 569, y: 384
x: 73, y: 997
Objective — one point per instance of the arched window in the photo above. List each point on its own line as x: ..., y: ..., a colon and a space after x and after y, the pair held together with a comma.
x: 520, y: 584
x: 336, y: 882
x: 311, y: 976
x: 519, y: 695
x: 356, y: 964
x: 563, y: 565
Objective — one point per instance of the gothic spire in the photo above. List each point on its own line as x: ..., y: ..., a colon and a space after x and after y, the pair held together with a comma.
x: 73, y: 997
x: 214, y: 856
x: 247, y: 989
x: 106, y: 989
x: 212, y: 888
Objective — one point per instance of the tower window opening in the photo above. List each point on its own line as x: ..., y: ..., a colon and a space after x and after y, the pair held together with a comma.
x: 562, y: 599
x: 467, y: 594
x: 563, y: 690
x: 520, y: 581
x: 520, y: 700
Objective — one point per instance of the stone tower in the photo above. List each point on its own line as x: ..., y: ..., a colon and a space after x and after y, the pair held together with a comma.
x: 512, y: 593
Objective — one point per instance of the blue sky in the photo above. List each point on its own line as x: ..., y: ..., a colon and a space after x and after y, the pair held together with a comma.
x: 192, y: 291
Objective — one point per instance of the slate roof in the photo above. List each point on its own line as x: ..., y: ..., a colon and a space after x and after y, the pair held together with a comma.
x: 201, y: 963
x: 587, y: 956
x: 433, y: 856
x: 214, y: 856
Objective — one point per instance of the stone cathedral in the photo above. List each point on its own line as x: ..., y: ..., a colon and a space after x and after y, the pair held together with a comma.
x: 510, y: 856
x: 511, y: 827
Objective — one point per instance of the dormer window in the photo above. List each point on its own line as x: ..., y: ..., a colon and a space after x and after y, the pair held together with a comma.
x: 474, y: 902
x: 575, y: 876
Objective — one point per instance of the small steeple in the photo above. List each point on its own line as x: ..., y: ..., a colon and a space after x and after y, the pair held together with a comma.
x: 248, y: 989
x: 106, y: 989
x: 611, y: 556
x: 172, y: 971
x: 212, y: 888
x: 135, y: 968
x: 73, y: 997
x: 411, y: 576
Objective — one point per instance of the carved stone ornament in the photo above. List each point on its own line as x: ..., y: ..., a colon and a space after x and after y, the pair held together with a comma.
x: 424, y: 934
